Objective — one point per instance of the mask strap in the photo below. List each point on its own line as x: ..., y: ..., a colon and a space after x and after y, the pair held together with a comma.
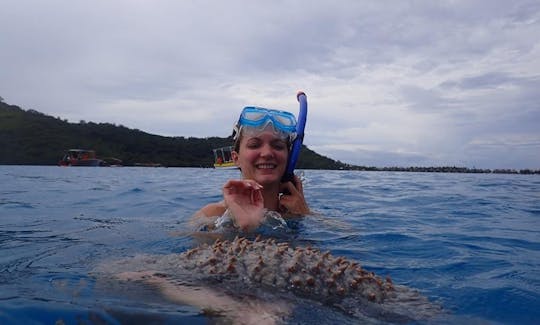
x: 236, y: 131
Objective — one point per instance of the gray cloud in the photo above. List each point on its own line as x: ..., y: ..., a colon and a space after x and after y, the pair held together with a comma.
x: 389, y: 83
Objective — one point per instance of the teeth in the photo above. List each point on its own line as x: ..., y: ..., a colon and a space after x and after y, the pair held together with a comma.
x: 266, y: 166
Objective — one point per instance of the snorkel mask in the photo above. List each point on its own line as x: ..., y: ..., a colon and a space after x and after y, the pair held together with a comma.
x: 254, y: 120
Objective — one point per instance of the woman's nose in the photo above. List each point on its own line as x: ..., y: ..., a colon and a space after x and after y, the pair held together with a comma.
x: 266, y: 151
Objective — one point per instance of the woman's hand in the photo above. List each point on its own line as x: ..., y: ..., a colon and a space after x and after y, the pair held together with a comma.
x: 294, y: 202
x: 245, y: 202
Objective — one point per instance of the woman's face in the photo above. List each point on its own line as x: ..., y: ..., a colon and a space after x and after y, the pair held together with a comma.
x: 262, y: 157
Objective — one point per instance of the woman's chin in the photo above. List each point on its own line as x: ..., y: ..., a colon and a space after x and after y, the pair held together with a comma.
x: 268, y: 177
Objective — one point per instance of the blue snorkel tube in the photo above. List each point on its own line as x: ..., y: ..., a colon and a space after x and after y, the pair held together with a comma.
x: 297, y: 144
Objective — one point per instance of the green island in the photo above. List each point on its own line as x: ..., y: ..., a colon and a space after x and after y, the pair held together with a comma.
x: 29, y: 137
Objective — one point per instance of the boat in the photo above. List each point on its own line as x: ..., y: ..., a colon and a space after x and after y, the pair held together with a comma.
x: 223, y: 158
x: 81, y: 157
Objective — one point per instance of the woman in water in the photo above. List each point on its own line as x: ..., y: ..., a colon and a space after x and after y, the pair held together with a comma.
x: 262, y: 142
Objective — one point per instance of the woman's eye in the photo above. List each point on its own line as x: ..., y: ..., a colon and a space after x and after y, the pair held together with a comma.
x: 279, y: 145
x: 253, y: 144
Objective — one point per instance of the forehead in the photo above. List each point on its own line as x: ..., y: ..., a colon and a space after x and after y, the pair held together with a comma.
x: 264, y: 135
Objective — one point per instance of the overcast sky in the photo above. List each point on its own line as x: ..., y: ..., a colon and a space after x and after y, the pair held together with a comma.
x: 389, y: 83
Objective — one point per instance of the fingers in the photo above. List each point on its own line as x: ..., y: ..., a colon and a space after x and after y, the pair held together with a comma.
x: 243, y: 183
x: 295, y: 187
x: 288, y: 186
x: 236, y: 185
x: 299, y: 185
x: 256, y: 197
x: 294, y: 201
x: 245, y: 192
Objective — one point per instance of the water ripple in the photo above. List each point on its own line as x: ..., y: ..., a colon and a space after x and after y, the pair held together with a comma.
x: 471, y: 242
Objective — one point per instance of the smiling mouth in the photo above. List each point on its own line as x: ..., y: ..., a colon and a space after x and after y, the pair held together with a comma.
x: 266, y: 166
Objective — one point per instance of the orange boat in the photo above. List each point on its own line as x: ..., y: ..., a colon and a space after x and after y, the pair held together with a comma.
x: 81, y: 157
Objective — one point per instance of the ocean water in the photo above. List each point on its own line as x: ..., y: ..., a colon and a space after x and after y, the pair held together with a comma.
x: 469, y: 242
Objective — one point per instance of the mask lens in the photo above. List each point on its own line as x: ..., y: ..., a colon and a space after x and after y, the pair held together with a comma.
x: 251, y: 131
x: 254, y: 116
x: 284, y: 120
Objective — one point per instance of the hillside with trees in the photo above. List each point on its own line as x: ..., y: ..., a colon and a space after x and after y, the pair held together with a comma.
x: 28, y: 137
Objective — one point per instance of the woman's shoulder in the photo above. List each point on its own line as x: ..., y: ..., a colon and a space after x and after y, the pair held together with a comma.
x: 213, y: 209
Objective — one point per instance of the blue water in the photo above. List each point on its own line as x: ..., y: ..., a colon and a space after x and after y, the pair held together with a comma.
x: 470, y: 242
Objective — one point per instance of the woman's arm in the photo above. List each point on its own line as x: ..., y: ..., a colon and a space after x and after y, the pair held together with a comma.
x: 212, y: 210
x: 205, y: 218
